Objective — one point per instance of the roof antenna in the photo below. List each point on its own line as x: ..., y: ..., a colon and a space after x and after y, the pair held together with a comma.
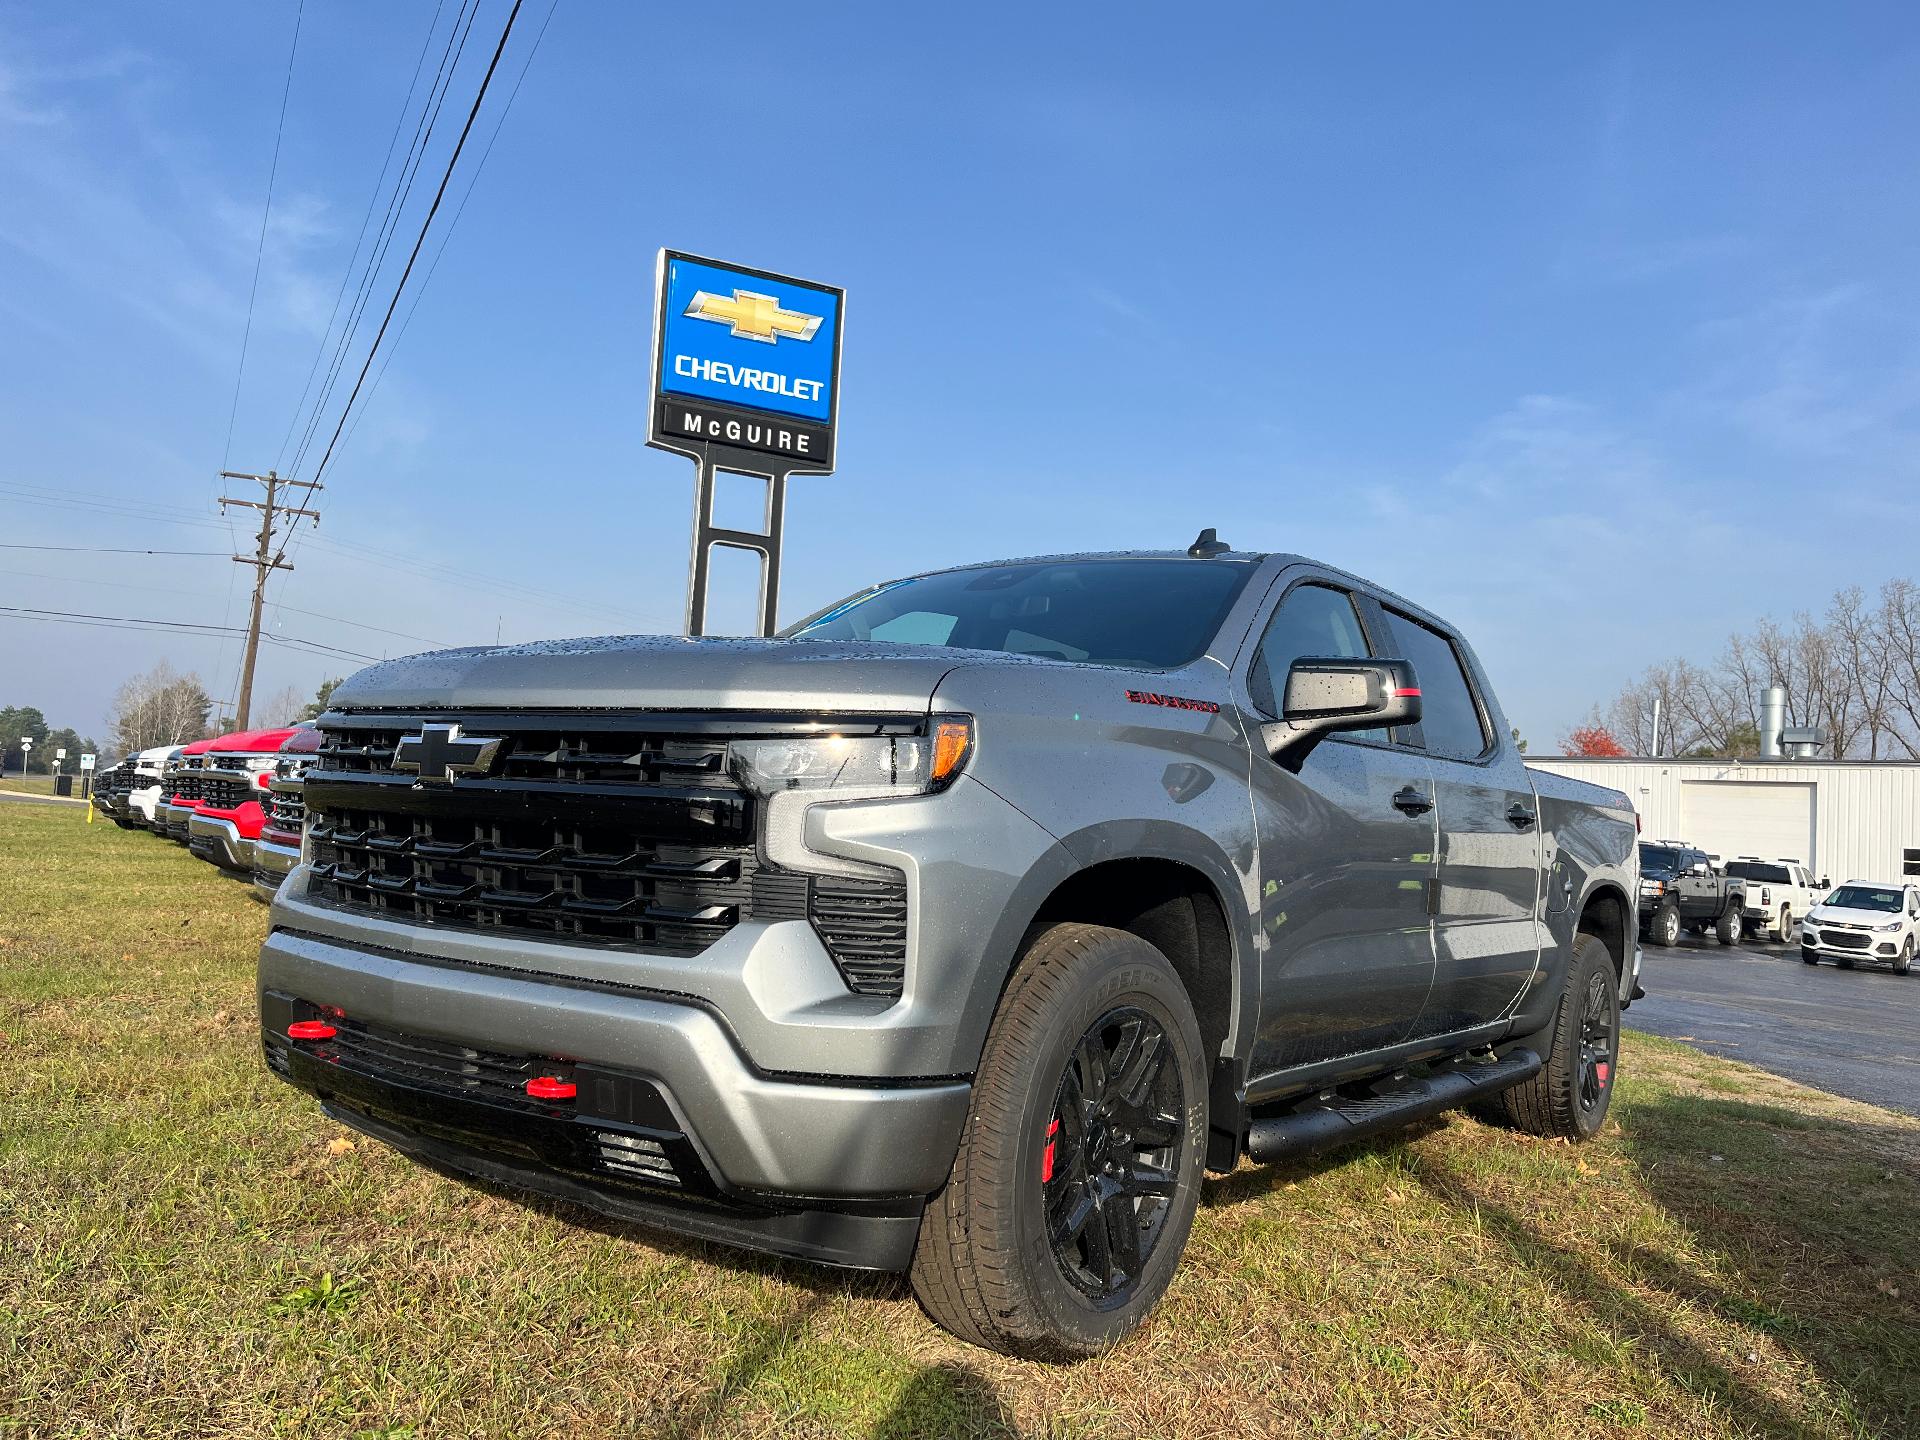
x: 1208, y: 545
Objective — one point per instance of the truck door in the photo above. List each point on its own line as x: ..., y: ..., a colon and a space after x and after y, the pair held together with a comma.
x: 1346, y: 854
x: 1699, y: 887
x: 1487, y: 932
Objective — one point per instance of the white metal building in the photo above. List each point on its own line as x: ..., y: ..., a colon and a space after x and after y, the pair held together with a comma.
x: 1847, y: 819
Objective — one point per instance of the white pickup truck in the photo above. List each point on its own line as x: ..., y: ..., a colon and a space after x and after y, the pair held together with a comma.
x: 145, y: 794
x: 1779, y: 894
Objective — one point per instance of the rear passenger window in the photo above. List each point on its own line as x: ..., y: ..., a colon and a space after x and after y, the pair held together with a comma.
x: 1449, y: 718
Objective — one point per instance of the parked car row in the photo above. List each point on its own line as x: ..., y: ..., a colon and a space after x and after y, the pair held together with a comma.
x: 233, y: 800
x: 1684, y: 888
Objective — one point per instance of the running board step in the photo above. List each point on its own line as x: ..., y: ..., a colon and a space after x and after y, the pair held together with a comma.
x: 1337, y: 1119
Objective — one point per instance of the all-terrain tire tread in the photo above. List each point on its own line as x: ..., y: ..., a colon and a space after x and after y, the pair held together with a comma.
x: 1546, y: 1104
x: 966, y: 1270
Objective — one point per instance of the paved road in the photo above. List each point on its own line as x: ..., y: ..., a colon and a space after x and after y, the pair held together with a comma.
x: 1854, y: 1032
x: 27, y: 797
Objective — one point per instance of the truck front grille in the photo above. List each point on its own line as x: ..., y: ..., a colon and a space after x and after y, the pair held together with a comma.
x: 285, y: 805
x: 618, y: 837
x: 219, y: 793
x: 584, y: 829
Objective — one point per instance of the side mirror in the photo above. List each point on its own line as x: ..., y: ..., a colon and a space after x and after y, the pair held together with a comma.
x: 1326, y: 696
x: 1825, y: 884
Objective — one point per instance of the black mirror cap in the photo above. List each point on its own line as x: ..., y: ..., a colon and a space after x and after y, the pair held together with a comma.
x: 1326, y: 695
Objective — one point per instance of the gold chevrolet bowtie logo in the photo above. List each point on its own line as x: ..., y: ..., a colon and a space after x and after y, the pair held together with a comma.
x: 753, y: 317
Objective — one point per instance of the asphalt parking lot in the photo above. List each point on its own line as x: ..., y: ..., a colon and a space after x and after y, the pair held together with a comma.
x: 1853, y: 1032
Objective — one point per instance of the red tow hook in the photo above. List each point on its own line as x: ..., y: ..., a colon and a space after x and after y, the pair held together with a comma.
x: 550, y: 1087
x: 311, y: 1030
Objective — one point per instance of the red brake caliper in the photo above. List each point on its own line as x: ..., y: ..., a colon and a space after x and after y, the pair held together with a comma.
x: 1046, y: 1156
x: 1602, y: 1070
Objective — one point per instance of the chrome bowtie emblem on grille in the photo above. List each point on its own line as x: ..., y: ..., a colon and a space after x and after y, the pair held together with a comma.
x: 439, y: 752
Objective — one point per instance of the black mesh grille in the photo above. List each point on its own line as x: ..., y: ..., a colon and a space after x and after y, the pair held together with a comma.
x: 1847, y: 939
x: 863, y: 924
x: 622, y: 838
x: 187, y: 782
x: 616, y: 835
x: 219, y: 793
x: 285, y: 803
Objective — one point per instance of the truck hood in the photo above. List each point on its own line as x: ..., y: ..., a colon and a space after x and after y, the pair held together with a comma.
x: 661, y: 672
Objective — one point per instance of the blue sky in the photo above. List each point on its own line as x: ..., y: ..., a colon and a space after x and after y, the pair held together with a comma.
x: 1593, y: 331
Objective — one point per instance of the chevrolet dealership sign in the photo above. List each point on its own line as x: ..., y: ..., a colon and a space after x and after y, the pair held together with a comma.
x: 745, y: 360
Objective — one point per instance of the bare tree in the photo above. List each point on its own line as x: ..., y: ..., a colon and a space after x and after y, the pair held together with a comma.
x: 161, y: 707
x: 1854, y: 672
x: 1896, y: 652
x: 284, y: 708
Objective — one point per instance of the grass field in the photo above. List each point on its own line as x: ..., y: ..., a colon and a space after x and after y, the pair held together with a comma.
x: 191, y: 1249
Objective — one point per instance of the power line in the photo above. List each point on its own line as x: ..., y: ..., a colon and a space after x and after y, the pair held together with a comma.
x: 452, y: 225
x: 386, y: 163
x: 426, y: 224
x: 107, y: 550
x: 191, y: 627
x: 396, y: 205
x: 260, y: 250
x: 359, y: 625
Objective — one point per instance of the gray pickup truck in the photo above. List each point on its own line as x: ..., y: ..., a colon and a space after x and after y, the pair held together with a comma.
x: 961, y: 928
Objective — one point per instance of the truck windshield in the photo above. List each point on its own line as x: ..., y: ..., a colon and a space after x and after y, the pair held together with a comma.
x: 1754, y: 870
x: 1147, y: 614
x: 1860, y: 897
x: 1659, y: 857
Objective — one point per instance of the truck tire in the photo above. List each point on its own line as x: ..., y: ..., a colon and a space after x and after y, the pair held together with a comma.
x: 1783, y: 932
x: 1079, y: 1168
x: 1568, y: 1099
x: 1665, y: 927
x: 1727, y: 928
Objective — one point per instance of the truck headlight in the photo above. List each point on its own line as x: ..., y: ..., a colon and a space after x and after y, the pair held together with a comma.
x: 791, y: 775
x: 1651, y: 887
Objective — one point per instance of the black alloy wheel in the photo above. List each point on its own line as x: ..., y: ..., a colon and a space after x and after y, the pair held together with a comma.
x: 1107, y: 1169
x: 1598, y: 1044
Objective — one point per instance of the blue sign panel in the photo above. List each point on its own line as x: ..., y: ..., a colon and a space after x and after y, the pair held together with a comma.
x: 745, y: 359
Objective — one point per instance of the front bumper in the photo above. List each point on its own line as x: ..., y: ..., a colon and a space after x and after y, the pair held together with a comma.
x: 1880, y: 949
x: 171, y: 820
x: 817, y: 1167
x: 216, y: 838
x: 272, y: 863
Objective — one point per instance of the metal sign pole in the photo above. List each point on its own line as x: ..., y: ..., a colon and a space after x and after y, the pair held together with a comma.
x: 706, y: 535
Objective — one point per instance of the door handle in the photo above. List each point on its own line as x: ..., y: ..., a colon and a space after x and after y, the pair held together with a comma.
x: 1519, y: 816
x: 1411, y: 801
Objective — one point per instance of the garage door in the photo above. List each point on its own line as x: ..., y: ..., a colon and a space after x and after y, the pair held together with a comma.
x: 1734, y: 817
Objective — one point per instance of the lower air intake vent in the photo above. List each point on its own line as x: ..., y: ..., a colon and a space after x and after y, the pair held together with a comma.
x: 863, y: 924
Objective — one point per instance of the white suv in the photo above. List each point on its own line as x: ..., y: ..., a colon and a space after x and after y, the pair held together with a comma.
x: 1779, y: 893
x: 1863, y: 921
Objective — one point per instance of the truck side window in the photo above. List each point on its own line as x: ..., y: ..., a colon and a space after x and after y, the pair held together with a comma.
x: 1449, y: 717
x: 1313, y: 620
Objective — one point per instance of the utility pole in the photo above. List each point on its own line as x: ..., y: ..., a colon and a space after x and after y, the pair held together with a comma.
x: 265, y: 560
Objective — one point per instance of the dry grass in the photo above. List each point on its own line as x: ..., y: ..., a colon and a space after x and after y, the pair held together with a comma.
x: 192, y: 1249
